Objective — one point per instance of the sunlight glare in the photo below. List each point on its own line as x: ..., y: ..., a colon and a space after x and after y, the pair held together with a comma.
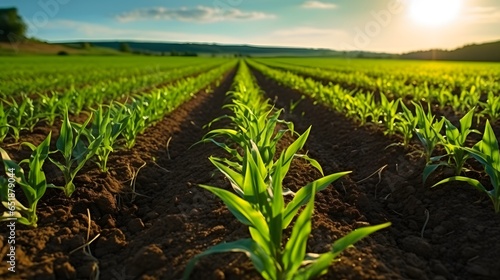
x: 435, y: 12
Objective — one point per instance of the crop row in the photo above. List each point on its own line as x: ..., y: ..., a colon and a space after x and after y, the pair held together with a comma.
x: 457, y: 76
x: 396, y: 117
x: 106, y: 129
x: 256, y: 172
x: 460, y: 91
x: 18, y: 114
x: 18, y: 75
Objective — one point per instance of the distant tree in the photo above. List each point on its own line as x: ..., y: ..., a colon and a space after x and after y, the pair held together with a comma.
x: 12, y: 26
x: 86, y: 45
x: 124, y: 47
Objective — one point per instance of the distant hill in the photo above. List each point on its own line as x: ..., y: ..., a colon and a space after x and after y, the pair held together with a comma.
x: 35, y: 47
x: 217, y: 49
x: 474, y: 52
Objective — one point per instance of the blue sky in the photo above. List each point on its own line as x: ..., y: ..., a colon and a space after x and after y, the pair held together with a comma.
x: 375, y: 25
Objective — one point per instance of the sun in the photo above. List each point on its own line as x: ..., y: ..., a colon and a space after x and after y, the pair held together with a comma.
x: 435, y: 12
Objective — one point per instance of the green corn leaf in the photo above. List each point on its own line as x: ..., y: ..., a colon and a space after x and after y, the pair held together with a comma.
x: 65, y: 141
x: 292, y: 150
x: 473, y: 182
x: 319, y: 265
x: 312, y: 162
x: 429, y: 168
x: 295, y: 249
x: 234, y: 177
x: 242, y: 210
x: 489, y: 146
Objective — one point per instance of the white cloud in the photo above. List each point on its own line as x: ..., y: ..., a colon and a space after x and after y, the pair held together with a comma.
x: 483, y: 15
x: 192, y: 14
x: 318, y: 5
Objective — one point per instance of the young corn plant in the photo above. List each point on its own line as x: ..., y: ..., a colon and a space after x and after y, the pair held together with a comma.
x: 427, y: 130
x: 365, y: 107
x: 232, y: 169
x: 33, y: 186
x: 258, y: 128
x: 137, y: 122
x: 492, y: 107
x: 454, y: 144
x: 406, y: 124
x: 74, y: 150
x: 487, y: 153
x: 262, y: 208
x: 22, y: 116
x: 4, y: 123
x: 50, y: 104
x: 390, y: 113
x: 109, y: 129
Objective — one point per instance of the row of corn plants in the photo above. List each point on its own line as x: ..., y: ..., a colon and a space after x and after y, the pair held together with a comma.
x: 460, y: 92
x: 396, y: 117
x: 106, y: 129
x: 355, y: 104
x: 256, y: 172
x: 23, y: 113
x: 19, y: 76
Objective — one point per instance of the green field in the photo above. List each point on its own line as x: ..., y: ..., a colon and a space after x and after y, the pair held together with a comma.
x: 133, y: 153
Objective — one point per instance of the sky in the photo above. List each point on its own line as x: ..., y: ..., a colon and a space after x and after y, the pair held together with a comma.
x: 394, y: 26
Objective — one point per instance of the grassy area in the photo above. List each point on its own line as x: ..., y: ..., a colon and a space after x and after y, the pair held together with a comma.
x: 32, y: 47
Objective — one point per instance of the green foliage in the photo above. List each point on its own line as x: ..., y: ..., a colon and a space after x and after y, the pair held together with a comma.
x: 259, y: 203
x: 428, y: 130
x: 22, y: 115
x: 124, y: 47
x: 390, y: 113
x: 108, y: 126
x: 74, y: 150
x: 4, y: 123
x: 264, y: 211
x: 487, y: 153
x: 454, y: 144
x: 406, y: 123
x: 492, y: 107
x: 33, y: 186
x: 12, y: 26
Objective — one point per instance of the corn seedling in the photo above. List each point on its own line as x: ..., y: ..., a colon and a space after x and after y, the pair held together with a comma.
x: 406, y: 124
x: 453, y: 142
x: 4, y: 125
x: 263, y: 210
x: 294, y: 104
x: 427, y: 130
x: 492, y: 107
x: 390, y: 113
x: 136, y: 123
x: 109, y: 129
x: 74, y: 150
x: 487, y: 153
x: 33, y: 186
x: 50, y: 104
x: 22, y: 116
x: 366, y: 107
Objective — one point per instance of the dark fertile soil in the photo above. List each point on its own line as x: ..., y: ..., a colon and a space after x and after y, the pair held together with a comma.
x: 151, y: 230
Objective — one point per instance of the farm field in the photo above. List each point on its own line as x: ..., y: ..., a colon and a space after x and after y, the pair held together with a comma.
x: 128, y: 204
